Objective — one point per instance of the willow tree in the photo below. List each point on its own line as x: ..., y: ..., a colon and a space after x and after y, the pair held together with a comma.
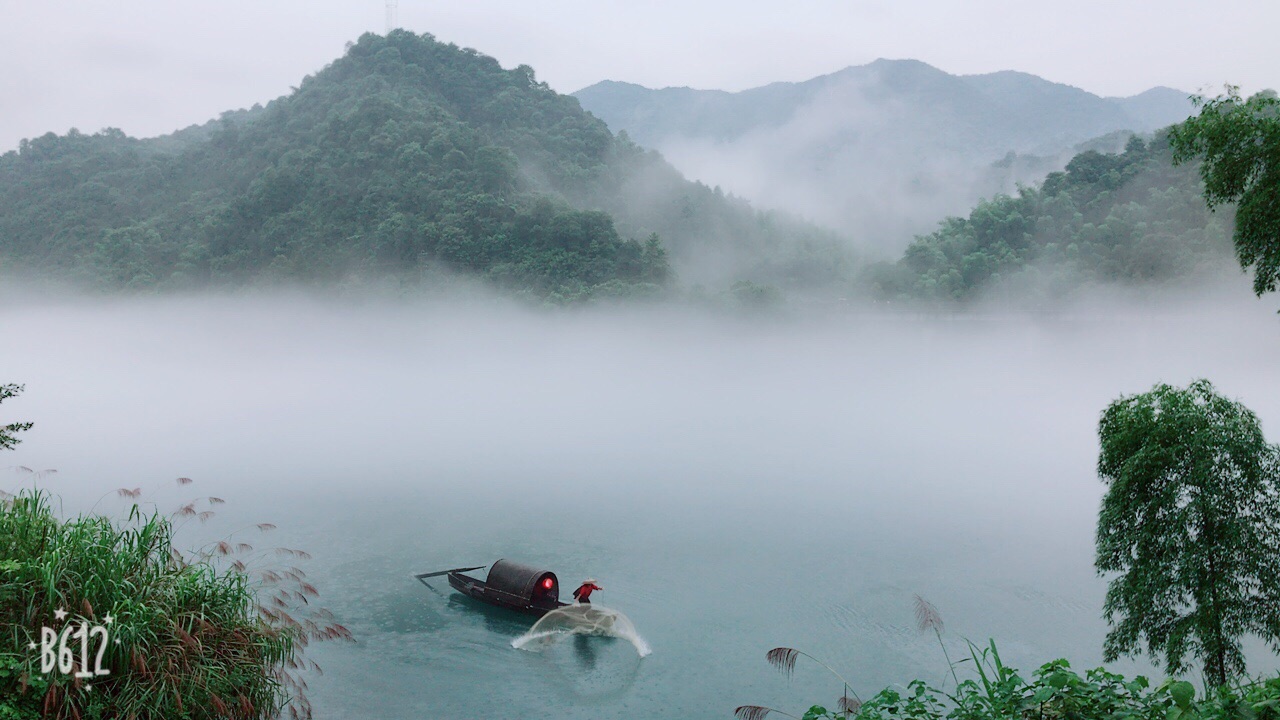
x: 1189, y: 528
x: 1239, y: 143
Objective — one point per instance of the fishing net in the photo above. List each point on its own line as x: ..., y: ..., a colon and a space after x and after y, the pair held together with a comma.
x: 583, y: 619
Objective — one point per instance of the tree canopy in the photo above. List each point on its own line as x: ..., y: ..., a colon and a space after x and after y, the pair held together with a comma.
x: 1238, y: 142
x: 1129, y: 217
x: 1189, y: 528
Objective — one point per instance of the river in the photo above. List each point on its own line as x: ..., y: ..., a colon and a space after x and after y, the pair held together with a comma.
x: 735, y: 484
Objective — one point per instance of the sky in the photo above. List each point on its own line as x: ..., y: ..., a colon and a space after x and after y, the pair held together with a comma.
x: 151, y: 67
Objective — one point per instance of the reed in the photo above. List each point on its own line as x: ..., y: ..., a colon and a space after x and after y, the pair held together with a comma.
x: 784, y: 660
x: 849, y: 704
x: 758, y: 712
x: 928, y: 618
x: 200, y: 635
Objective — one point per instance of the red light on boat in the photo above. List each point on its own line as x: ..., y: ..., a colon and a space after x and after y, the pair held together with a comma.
x: 547, y: 583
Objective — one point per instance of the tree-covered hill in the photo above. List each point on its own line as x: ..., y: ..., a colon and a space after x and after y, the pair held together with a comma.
x: 403, y: 156
x: 1128, y: 218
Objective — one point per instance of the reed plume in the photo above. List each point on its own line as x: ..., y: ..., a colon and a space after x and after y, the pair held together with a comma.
x: 928, y: 618
x: 784, y: 659
x: 848, y: 705
x: 757, y: 712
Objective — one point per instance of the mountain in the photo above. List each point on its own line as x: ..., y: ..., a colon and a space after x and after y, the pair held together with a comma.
x: 403, y: 157
x: 881, y: 151
x: 1156, y: 106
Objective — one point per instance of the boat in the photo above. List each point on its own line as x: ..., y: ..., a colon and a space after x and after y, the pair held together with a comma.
x: 509, y: 584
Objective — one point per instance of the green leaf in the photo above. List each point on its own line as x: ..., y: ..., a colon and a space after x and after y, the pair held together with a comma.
x: 1183, y: 693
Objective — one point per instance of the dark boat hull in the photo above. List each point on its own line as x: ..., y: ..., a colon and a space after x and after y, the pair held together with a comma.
x: 482, y: 591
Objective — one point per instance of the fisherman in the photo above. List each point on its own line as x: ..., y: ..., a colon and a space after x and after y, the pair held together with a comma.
x: 583, y: 593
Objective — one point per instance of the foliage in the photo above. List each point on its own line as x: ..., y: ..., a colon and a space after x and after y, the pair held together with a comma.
x: 405, y: 156
x: 1130, y: 217
x: 194, y: 640
x: 8, y: 433
x: 1054, y: 692
x: 194, y: 635
x: 1191, y: 524
x: 1239, y: 143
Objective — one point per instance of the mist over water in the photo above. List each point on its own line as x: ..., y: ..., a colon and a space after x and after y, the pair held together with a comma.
x: 735, y: 483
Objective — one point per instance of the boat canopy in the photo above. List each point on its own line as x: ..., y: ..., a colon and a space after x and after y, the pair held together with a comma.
x: 524, y: 581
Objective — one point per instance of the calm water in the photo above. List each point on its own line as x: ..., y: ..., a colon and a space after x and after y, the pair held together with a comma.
x: 734, y: 485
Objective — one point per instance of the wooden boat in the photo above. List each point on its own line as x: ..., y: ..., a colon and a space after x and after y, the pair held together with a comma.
x: 512, y: 585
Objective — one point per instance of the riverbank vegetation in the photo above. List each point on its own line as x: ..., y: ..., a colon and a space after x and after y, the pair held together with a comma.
x: 992, y: 690
x: 1189, y: 535
x: 212, y: 633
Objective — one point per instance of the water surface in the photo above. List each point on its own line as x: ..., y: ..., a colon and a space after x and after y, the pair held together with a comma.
x: 734, y: 484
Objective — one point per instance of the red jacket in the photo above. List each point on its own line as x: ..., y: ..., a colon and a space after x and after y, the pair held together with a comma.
x: 584, y: 592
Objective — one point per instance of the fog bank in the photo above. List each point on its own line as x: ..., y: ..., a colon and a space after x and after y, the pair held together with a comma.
x: 242, y: 390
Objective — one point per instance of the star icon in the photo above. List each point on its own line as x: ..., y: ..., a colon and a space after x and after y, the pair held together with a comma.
x: 60, y: 614
x: 31, y: 646
x: 108, y: 619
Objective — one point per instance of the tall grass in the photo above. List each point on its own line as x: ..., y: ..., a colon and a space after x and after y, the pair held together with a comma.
x: 194, y: 635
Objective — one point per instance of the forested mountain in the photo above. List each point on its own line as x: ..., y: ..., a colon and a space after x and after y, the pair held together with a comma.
x: 881, y: 151
x: 1129, y: 218
x: 404, y: 155
x: 408, y: 155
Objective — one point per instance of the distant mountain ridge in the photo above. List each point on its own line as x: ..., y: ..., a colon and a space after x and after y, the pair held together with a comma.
x: 832, y: 147
x: 648, y: 115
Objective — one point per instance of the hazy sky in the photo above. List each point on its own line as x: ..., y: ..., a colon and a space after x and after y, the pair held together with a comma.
x: 150, y: 67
